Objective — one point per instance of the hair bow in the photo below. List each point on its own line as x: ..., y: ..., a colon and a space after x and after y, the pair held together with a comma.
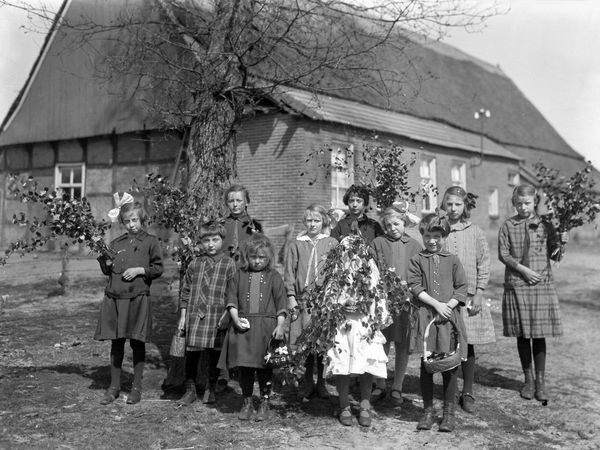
x: 442, y: 214
x: 119, y: 202
x: 470, y: 201
x: 403, y: 207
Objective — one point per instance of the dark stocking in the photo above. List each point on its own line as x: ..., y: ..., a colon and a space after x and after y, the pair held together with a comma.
x: 246, y: 380
x: 191, y: 365
x: 264, y: 381
x: 343, y: 388
x: 450, y: 379
x: 426, y: 382
x: 468, y: 370
x: 524, y: 347
x: 213, y: 371
x: 139, y: 357
x: 117, y: 351
x: 539, y: 354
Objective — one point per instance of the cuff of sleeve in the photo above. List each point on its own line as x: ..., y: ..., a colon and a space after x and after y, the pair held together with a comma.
x: 417, y: 290
x: 282, y: 312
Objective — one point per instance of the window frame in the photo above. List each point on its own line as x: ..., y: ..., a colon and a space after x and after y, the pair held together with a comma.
x: 340, y: 171
x: 462, y: 174
x: 430, y: 181
x: 69, y: 187
x: 493, y: 202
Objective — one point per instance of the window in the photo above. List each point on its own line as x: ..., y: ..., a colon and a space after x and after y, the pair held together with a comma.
x: 493, y: 209
x: 341, y: 175
x: 458, y: 175
x: 513, y: 178
x: 428, y: 182
x: 71, y: 179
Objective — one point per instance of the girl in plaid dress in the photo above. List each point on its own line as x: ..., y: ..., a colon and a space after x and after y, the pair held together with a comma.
x: 530, y: 309
x: 467, y: 241
x: 201, y: 307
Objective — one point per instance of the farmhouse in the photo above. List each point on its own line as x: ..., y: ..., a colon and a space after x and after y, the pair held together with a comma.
x: 93, y: 137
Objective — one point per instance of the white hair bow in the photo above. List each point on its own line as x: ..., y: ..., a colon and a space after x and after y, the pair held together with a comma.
x: 403, y: 206
x: 119, y: 202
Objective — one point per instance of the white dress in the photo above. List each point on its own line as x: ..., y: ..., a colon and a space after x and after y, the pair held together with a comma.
x: 353, y: 353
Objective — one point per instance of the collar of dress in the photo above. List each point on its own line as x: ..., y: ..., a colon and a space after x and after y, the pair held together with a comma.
x: 304, y: 237
x: 460, y: 225
x: 404, y: 238
x: 532, y: 221
x: 427, y: 254
x: 140, y: 235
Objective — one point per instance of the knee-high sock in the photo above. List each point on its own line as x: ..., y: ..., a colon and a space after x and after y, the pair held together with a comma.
x: 366, y: 385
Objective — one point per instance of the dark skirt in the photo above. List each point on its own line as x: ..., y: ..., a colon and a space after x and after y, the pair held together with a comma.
x: 129, y: 318
x: 247, y: 348
x: 399, y: 331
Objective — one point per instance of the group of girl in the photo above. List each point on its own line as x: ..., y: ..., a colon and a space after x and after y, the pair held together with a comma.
x: 234, y: 302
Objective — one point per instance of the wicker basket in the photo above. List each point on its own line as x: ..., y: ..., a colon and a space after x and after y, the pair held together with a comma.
x: 277, y: 355
x: 441, y: 362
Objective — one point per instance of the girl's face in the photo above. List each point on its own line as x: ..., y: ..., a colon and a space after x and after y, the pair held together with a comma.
x: 394, y: 226
x: 131, y: 221
x: 455, y: 207
x: 313, y: 223
x: 525, y: 205
x: 236, y: 202
x: 258, y: 261
x: 211, y: 244
x: 433, y: 241
x: 356, y: 205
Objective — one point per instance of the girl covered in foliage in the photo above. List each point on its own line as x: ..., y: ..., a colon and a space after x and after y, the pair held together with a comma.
x: 347, y: 312
x: 134, y: 260
x: 530, y: 310
x: 392, y: 252
x: 303, y: 264
x: 257, y: 303
x: 357, y: 200
x: 467, y: 241
x: 437, y: 278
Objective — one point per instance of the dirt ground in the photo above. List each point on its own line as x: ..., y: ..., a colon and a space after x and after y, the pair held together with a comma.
x: 52, y: 375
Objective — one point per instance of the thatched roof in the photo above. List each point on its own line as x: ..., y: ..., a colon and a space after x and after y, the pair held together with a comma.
x: 65, y: 99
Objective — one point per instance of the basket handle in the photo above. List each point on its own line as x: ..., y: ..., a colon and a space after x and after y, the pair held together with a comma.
x: 426, y: 334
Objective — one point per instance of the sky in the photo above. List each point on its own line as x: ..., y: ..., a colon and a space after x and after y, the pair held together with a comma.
x: 549, y: 48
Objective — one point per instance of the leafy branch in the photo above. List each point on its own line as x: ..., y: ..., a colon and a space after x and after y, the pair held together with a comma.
x: 64, y: 216
x: 572, y: 202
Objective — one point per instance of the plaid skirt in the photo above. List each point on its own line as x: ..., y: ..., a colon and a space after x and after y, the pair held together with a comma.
x: 531, y: 311
x: 480, y: 328
x: 129, y: 318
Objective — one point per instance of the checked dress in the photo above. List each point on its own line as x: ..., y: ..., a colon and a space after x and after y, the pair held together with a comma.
x: 528, y: 311
x: 203, y: 294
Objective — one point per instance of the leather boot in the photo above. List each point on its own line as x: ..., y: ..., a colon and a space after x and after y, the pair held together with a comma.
x: 448, y: 420
x: 527, y: 389
x: 540, y: 387
x: 427, y: 419
x: 263, y: 409
x: 247, y: 409
x: 190, y: 394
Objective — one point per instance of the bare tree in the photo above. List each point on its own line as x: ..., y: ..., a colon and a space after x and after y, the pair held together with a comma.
x: 203, y: 65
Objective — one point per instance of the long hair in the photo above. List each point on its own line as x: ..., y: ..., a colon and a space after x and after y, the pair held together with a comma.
x: 253, y: 244
x: 467, y: 198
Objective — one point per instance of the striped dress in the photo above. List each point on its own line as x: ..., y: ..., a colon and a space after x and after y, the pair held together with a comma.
x: 467, y: 241
x: 528, y: 311
x: 203, y: 295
